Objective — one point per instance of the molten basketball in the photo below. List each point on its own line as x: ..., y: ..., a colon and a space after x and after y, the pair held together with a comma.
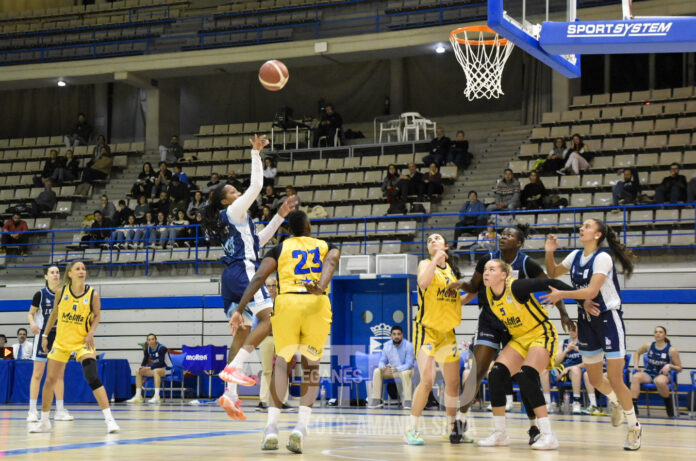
x: 273, y: 75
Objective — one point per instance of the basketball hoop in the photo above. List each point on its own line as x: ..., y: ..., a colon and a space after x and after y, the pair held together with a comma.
x: 482, y: 60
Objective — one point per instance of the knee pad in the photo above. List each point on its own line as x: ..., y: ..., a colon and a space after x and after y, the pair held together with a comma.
x: 498, y: 380
x: 528, y: 380
x: 89, y: 368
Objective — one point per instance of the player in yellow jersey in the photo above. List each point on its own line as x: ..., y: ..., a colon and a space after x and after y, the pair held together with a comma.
x: 532, y: 345
x: 301, y: 318
x: 439, y: 312
x: 77, y: 312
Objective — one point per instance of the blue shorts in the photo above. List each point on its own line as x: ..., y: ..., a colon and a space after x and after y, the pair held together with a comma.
x: 602, y: 334
x: 37, y: 352
x: 491, y: 331
x: 235, y: 279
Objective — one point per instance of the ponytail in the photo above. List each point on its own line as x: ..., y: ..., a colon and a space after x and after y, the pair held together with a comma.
x: 618, y: 250
x: 211, y: 216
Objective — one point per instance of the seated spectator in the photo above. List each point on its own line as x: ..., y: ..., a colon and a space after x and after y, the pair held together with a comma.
x: 196, y: 205
x: 163, y: 205
x: 101, y: 143
x: 459, y: 152
x: 23, y: 348
x: 486, y: 242
x: 80, y: 134
x: 142, y: 208
x: 46, y: 200
x: 233, y: 181
x: 534, y: 193
x: 265, y: 214
x: 556, y: 159
x: 433, y: 182
x: 99, y: 233
x: 164, y: 233
x: 329, y: 123
x: 123, y: 212
x: 68, y: 171
x: 100, y: 169
x: 392, y: 189
x: 15, y: 226
x: 108, y: 210
x: 568, y: 368
x: 289, y: 192
x: 50, y: 167
x: 626, y: 192
x: 507, y: 193
x: 130, y: 234
x: 162, y: 181
x: 397, y: 361
x: 471, y: 215
x: 212, y: 184
x: 578, y: 159
x: 182, y: 233
x: 416, y: 186
x: 164, y: 172
x: 179, y: 195
x: 156, y: 362
x: 148, y: 226
x: 269, y: 198
x: 203, y: 239
x: 439, y: 149
x: 145, y: 182
x: 183, y: 177
x: 673, y: 187
x: 172, y: 152
x: 269, y: 172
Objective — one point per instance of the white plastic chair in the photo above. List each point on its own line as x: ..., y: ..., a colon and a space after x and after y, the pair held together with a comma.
x: 389, y: 128
x: 410, y: 122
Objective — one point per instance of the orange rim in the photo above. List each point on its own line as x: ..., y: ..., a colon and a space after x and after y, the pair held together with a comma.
x: 485, y: 29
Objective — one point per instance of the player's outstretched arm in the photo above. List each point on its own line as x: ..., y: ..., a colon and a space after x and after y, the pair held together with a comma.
x: 237, y: 211
x: 267, y: 233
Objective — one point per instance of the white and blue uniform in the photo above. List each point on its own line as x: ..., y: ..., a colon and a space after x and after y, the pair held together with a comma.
x: 242, y: 244
x: 657, y: 359
x: 158, y: 357
x: 572, y: 358
x: 604, y: 333
x: 44, y: 300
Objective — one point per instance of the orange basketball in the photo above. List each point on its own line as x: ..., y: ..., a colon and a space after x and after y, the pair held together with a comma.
x: 273, y: 75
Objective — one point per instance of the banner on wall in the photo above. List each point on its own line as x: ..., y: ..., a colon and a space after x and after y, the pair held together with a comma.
x: 381, y: 333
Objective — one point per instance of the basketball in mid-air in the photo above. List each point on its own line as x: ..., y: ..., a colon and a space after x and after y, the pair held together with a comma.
x: 273, y: 75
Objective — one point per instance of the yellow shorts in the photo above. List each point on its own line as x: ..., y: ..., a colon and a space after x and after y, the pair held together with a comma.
x: 301, y: 321
x: 439, y: 344
x: 63, y: 355
x: 537, y: 337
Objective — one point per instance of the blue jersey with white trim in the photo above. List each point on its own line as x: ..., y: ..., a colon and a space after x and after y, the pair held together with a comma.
x: 572, y: 357
x: 609, y: 296
x: 241, y: 242
x: 519, y: 269
x: 45, y: 300
x: 657, y: 359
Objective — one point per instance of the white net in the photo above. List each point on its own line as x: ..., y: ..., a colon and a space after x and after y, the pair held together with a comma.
x: 482, y: 55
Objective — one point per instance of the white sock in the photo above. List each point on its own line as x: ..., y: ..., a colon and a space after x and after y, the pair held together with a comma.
x: 107, y: 413
x: 547, y: 397
x: 631, y: 417
x: 32, y: 405
x: 241, y: 358
x: 139, y: 392
x: 508, y: 399
x: 414, y: 422
x: 59, y: 405
x: 545, y: 425
x: 232, y: 390
x: 499, y: 423
x: 156, y: 392
x: 612, y: 398
x: 593, y: 399
x: 273, y: 415
x: 45, y: 415
x: 303, y: 414
x: 461, y: 416
x: 532, y: 422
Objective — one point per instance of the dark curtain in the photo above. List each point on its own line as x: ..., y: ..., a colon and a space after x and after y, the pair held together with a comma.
x: 536, y: 90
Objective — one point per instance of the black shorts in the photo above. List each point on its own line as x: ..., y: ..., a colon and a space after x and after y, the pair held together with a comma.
x: 491, y: 331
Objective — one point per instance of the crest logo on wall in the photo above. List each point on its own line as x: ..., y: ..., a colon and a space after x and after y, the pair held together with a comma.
x: 381, y: 333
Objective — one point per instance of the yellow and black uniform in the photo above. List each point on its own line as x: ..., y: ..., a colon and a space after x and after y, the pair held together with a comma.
x: 439, y: 312
x: 300, y: 319
x: 524, y: 317
x: 73, y: 323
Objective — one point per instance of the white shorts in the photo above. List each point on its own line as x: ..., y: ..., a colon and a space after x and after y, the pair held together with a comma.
x: 252, y: 309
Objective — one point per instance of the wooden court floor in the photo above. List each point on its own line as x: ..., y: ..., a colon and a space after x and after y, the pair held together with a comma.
x: 176, y: 431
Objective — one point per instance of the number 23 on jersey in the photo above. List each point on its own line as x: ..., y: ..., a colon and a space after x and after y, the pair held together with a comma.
x: 302, y: 268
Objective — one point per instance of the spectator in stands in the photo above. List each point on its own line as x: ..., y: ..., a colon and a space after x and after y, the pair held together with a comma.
x: 142, y: 208
x: 392, y: 188
x: 99, y: 233
x: 556, y: 159
x: 164, y: 172
x: 164, y: 233
x: 46, y: 200
x: 212, y: 184
x: 164, y: 177
x: 269, y: 198
x: 100, y: 169
x: 233, y: 181
x: 265, y: 214
x: 289, y: 192
x: 534, y: 193
x: 203, y: 238
x: 416, y: 186
x: 183, y: 177
x: 23, y: 348
x: 145, y: 182
x: 626, y: 192
x: 53, y: 163
x: 507, y: 193
x: 163, y: 205
x: 179, y: 195
x: 196, y: 205
x: 459, y: 152
x: 433, y: 182
x: 80, y: 134
x: 182, y: 233
x: 123, y: 212
x: 173, y: 152
x: 472, y: 214
x: 101, y: 143
x: 329, y: 123
x: 578, y: 159
x: 149, y: 224
x: 486, y: 242
x: 673, y: 187
x: 396, y: 361
x: 108, y: 210
x: 14, y: 226
x: 130, y: 234
x: 3, y: 342
x: 439, y: 149
x: 269, y: 172
x: 68, y: 171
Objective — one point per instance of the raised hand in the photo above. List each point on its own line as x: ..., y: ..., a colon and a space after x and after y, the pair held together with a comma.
x: 259, y: 142
x: 288, y: 205
x: 551, y: 243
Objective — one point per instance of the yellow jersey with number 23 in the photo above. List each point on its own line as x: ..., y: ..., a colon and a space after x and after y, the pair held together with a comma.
x: 300, y: 260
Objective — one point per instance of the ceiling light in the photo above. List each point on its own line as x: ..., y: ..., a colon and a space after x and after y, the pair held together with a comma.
x: 440, y: 48
x: 61, y: 83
